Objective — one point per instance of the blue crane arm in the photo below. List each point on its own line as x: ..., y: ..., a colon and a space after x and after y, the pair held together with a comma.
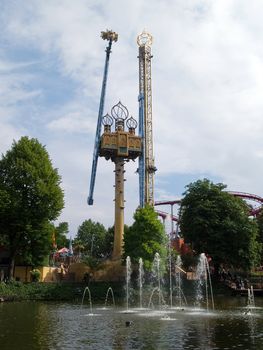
x: 99, y: 122
x: 142, y: 156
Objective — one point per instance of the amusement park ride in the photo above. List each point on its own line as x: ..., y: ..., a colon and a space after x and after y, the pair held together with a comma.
x: 146, y: 161
x: 120, y: 145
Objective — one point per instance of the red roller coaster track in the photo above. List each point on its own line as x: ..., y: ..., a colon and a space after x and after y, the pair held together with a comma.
x: 254, y: 211
x: 252, y: 197
x: 164, y: 215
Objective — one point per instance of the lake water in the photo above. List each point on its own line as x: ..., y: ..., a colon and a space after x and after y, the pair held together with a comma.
x: 46, y: 325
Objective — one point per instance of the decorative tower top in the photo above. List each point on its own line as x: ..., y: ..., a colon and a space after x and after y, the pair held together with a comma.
x: 132, y: 125
x: 120, y: 113
x: 109, y: 35
x: 144, y: 39
x: 107, y: 121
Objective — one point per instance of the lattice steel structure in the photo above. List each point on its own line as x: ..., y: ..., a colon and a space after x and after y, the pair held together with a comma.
x: 146, y: 160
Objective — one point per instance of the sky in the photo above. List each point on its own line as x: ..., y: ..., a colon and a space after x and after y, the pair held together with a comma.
x: 207, y: 82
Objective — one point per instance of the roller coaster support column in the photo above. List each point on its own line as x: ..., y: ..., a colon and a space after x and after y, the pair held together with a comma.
x: 170, y: 258
x: 172, y: 222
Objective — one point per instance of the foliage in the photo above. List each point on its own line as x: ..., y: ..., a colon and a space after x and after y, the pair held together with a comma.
x: 109, y: 239
x: 57, y: 291
x: 91, y: 261
x: 189, y: 260
x: 36, y: 253
x: 145, y: 237
x: 60, y: 235
x: 78, y: 248
x: 35, y: 275
x: 31, y: 197
x: 92, y: 237
x: 260, y: 225
x: 260, y: 228
x: 217, y: 223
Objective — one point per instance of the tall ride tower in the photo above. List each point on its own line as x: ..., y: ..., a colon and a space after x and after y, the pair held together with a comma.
x: 146, y: 160
x: 119, y: 145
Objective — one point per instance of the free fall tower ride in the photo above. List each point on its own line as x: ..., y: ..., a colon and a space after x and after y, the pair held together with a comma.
x: 120, y: 145
x: 146, y: 160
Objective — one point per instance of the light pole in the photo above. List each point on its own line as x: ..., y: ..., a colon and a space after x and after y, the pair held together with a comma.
x: 92, y: 241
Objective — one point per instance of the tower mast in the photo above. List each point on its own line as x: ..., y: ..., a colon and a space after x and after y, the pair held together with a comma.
x: 110, y: 36
x: 146, y: 160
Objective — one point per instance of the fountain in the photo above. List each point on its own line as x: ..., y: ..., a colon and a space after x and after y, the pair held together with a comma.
x: 250, y: 298
x: 128, y: 279
x: 178, y: 280
x: 90, y: 303
x: 60, y: 325
x: 161, y: 300
x: 170, y: 273
x: 203, y: 282
x: 156, y: 274
x: 180, y: 297
x: 184, y: 328
x: 140, y: 280
x: 112, y: 297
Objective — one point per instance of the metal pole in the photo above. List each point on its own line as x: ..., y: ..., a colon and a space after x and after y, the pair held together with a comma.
x: 170, y: 258
x: 119, y: 208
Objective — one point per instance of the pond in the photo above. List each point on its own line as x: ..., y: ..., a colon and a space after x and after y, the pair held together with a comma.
x: 48, y: 325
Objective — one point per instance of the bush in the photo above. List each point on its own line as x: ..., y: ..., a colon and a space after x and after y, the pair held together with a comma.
x: 35, y: 275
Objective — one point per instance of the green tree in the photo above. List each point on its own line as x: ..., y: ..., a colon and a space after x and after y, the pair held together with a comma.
x: 92, y: 236
x: 31, y: 197
x: 78, y: 248
x: 217, y: 223
x: 61, y: 231
x: 145, y: 237
x: 260, y: 227
x: 109, y: 239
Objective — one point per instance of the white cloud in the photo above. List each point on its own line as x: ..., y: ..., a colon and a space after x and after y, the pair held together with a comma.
x: 7, y: 135
x: 207, y: 72
x: 72, y: 123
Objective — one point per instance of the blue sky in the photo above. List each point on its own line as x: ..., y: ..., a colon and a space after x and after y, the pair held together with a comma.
x: 207, y: 74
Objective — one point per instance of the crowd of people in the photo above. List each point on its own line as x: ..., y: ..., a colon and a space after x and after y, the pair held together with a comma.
x: 232, y: 280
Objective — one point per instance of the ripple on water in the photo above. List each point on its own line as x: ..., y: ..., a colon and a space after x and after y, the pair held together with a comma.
x: 92, y: 315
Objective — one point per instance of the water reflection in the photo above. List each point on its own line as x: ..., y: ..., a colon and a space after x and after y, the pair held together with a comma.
x: 38, y: 325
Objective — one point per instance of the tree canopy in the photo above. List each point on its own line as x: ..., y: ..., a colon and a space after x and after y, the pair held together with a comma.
x: 217, y: 223
x: 92, y: 236
x: 260, y: 227
x: 145, y: 237
x: 60, y: 235
x: 31, y: 197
